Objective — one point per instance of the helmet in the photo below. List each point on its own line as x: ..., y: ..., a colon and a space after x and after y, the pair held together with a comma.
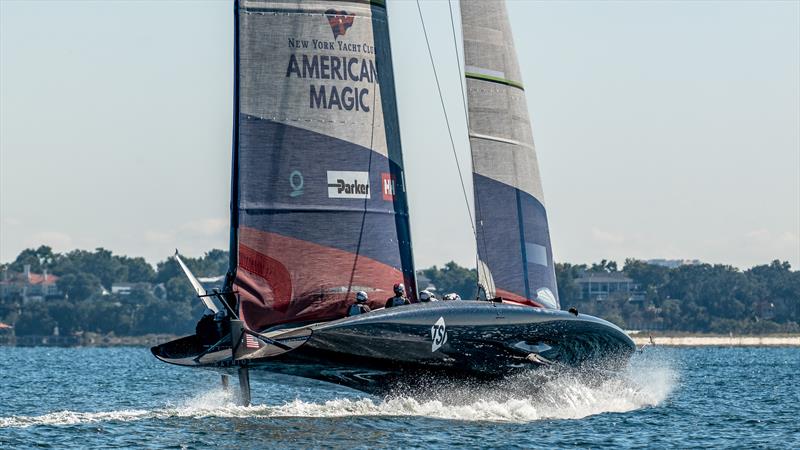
x: 425, y: 296
x: 361, y: 297
x: 399, y: 289
x: 451, y: 296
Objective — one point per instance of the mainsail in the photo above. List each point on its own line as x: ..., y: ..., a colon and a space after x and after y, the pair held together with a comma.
x: 319, y: 206
x: 512, y: 233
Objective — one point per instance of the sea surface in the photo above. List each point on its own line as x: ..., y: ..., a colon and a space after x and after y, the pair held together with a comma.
x: 668, y: 398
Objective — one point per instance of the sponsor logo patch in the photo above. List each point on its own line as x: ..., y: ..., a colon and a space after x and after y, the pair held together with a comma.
x: 438, y: 334
x: 387, y: 186
x: 348, y: 184
x: 296, y: 182
x: 340, y: 22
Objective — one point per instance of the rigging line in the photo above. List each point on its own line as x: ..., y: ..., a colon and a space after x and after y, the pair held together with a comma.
x: 460, y: 73
x: 461, y: 81
x: 447, y: 120
x: 366, y: 200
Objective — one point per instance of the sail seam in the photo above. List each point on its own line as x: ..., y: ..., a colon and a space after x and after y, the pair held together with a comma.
x: 499, y: 139
x: 368, y: 2
x: 522, y: 244
x: 294, y: 209
x: 292, y: 119
x: 265, y: 11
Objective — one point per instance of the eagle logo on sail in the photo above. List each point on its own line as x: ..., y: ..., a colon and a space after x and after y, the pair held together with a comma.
x: 340, y: 22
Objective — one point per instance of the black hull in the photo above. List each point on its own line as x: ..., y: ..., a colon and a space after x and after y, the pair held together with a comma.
x: 473, y: 340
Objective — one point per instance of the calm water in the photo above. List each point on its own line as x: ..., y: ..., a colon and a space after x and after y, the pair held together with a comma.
x: 684, y: 398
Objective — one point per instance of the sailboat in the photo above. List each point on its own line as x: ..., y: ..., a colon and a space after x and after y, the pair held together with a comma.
x: 319, y: 212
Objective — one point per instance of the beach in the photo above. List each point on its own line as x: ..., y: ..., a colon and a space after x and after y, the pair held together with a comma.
x: 720, y: 341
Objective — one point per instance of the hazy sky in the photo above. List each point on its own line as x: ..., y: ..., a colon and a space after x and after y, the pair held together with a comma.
x: 664, y: 129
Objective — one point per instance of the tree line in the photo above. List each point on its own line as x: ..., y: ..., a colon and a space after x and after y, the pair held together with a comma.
x: 698, y: 298
x: 691, y: 298
x: 160, y: 301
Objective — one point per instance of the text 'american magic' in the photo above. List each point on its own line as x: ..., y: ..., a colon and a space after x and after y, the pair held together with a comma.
x: 327, y: 67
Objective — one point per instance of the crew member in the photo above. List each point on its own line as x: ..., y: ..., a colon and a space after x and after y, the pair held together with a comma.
x: 206, y: 329
x: 360, y: 306
x: 451, y: 296
x: 399, y: 298
x: 221, y: 323
x: 426, y: 296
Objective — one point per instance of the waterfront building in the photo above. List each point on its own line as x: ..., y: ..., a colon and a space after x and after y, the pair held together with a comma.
x: 27, y: 286
x: 673, y: 263
x: 599, y: 286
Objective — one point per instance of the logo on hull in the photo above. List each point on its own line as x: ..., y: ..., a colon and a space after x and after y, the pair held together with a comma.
x: 340, y: 22
x: 348, y: 184
x: 438, y: 334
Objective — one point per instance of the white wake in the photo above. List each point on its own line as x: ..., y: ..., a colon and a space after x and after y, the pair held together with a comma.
x: 525, y: 398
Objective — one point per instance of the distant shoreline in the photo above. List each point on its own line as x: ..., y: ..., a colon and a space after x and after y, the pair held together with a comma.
x: 688, y: 340
x: 87, y: 340
x: 782, y: 340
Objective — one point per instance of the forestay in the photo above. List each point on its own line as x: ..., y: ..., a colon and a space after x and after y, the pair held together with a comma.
x: 319, y: 207
x: 512, y: 232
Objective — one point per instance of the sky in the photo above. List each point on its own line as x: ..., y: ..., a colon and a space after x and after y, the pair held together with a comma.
x: 663, y: 129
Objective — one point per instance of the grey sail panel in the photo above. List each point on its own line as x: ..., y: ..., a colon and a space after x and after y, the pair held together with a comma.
x: 320, y: 208
x: 512, y: 232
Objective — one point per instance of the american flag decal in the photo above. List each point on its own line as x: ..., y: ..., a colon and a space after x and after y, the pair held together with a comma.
x: 250, y: 341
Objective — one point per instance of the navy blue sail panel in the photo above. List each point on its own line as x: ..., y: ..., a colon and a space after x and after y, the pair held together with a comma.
x: 514, y: 241
x: 514, y: 251
x: 321, y: 209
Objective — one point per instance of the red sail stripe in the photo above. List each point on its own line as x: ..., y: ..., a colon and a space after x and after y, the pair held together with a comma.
x: 271, y: 270
x: 511, y: 297
x: 316, y: 280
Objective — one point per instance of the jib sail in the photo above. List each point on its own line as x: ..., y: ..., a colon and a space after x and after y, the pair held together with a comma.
x: 319, y: 207
x: 512, y: 232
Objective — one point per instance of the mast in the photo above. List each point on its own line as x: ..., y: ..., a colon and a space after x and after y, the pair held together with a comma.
x: 513, y: 239
x: 319, y: 208
x: 234, y: 204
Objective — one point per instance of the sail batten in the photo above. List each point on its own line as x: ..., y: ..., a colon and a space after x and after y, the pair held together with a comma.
x: 513, y: 238
x: 499, y: 139
x: 320, y: 205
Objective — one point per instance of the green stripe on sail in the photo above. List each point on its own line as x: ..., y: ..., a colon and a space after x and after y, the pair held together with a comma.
x: 480, y: 76
x: 369, y: 2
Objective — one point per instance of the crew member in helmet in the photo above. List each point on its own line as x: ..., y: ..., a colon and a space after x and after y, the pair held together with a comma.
x: 360, y: 306
x: 206, y: 329
x: 222, y: 323
x: 451, y: 296
x: 427, y: 296
x: 399, y: 298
